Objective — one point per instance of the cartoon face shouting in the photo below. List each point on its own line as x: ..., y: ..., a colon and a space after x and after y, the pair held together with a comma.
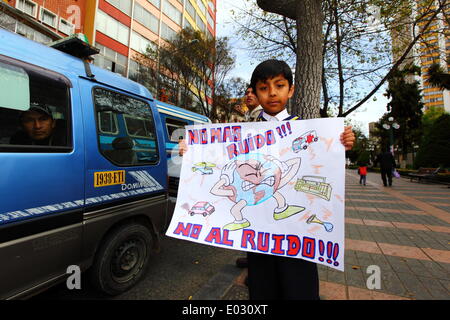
x: 251, y: 179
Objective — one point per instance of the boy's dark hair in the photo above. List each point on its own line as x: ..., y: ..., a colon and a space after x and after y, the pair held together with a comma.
x: 269, y: 69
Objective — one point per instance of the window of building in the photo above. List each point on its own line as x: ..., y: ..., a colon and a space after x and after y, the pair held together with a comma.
x: 156, y: 3
x: 210, y: 20
x: 27, y: 6
x: 136, y: 143
x: 112, y: 28
x: 201, y: 6
x: 33, y: 96
x: 146, y: 18
x: 32, y: 34
x: 190, y: 9
x: 66, y: 27
x: 212, y: 6
x: 187, y: 24
x: 140, y: 44
x: 48, y: 17
x: 167, y: 32
x: 201, y: 25
x: 111, y: 60
x: 173, y: 13
x: 122, y: 5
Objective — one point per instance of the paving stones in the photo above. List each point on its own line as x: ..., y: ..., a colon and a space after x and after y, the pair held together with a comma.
x: 403, y: 230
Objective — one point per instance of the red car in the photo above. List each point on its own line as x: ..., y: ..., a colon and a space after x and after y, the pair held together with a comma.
x: 202, y: 207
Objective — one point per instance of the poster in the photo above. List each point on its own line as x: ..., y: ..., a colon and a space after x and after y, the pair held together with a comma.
x: 267, y: 187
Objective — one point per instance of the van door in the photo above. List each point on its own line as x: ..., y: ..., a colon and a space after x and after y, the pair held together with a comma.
x: 126, y: 170
x: 42, y: 176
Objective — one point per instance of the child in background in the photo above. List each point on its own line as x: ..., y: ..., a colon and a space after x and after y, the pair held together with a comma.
x: 362, y: 171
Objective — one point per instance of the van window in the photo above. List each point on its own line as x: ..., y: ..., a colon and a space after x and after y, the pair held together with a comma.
x: 125, y: 128
x: 107, y: 122
x: 14, y: 88
x: 139, y: 127
x: 35, y: 116
x: 172, y: 125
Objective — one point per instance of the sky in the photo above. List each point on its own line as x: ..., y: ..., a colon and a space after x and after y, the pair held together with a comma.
x: 371, y: 111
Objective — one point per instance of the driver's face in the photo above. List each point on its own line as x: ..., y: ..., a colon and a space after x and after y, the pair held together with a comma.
x: 38, y: 125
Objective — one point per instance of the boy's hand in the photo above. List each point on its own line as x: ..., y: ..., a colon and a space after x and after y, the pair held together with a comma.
x: 182, y: 147
x: 348, y: 138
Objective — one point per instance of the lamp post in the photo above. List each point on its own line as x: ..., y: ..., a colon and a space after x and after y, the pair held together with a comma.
x: 391, y: 125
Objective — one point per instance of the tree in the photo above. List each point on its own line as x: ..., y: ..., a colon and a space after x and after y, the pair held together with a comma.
x: 227, y: 97
x: 438, y: 77
x: 434, y: 150
x: 405, y: 107
x: 308, y: 71
x: 355, y: 46
x: 191, y: 65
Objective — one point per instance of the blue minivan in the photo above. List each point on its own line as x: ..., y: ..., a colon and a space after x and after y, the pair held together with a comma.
x: 83, y: 175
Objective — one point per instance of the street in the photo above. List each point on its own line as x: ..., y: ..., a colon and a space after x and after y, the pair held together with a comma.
x: 400, y: 231
x: 176, y: 273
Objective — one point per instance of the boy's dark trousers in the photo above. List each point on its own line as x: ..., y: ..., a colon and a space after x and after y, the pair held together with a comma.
x: 362, y: 179
x: 272, y: 277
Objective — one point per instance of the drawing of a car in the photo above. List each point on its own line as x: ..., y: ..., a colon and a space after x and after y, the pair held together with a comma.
x: 302, y: 142
x: 202, y: 207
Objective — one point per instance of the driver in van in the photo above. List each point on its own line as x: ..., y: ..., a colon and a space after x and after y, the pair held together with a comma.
x: 38, y: 127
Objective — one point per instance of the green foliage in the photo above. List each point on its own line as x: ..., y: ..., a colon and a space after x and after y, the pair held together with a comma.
x: 189, y: 63
x: 434, y: 150
x: 438, y: 77
x: 405, y: 107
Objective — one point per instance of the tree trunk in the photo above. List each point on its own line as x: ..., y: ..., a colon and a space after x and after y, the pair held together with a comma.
x: 308, y: 72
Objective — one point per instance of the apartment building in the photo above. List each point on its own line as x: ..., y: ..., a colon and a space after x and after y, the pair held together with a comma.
x: 433, y: 47
x: 45, y: 20
x: 121, y: 29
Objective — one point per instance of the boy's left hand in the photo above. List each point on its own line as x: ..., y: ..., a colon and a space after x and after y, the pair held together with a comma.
x: 348, y: 138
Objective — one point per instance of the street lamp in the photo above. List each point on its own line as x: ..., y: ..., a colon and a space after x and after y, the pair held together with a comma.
x: 391, y: 125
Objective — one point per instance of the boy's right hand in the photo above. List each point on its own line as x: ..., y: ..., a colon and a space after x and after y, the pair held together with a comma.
x: 182, y: 147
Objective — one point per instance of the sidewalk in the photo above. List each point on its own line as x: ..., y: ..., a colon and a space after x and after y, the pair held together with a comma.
x: 404, y: 230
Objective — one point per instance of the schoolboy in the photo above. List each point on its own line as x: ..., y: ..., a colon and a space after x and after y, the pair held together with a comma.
x: 274, y: 277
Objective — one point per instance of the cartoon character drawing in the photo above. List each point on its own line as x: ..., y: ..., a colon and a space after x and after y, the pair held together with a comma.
x: 302, y: 142
x: 251, y: 179
x: 327, y: 225
x: 202, y: 207
x: 203, y: 167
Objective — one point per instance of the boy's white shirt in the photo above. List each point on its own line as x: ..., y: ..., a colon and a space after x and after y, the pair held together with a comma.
x: 278, y: 117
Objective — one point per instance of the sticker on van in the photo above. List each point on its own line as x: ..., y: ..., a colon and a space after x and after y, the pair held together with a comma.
x: 109, y: 178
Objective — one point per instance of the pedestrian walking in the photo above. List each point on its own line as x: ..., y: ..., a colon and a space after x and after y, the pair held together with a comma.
x: 362, y: 171
x: 387, y: 165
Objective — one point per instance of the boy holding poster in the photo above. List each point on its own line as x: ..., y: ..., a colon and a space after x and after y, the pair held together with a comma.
x: 272, y: 276
x: 269, y: 276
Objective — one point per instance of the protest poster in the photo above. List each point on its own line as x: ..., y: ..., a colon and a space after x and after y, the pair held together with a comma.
x: 268, y: 187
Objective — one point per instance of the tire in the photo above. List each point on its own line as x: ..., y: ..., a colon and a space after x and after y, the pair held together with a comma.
x: 122, y: 259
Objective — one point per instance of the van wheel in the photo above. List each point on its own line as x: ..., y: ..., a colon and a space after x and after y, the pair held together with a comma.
x: 122, y: 259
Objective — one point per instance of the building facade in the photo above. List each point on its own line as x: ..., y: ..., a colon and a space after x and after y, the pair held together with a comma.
x: 121, y: 29
x: 433, y: 47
